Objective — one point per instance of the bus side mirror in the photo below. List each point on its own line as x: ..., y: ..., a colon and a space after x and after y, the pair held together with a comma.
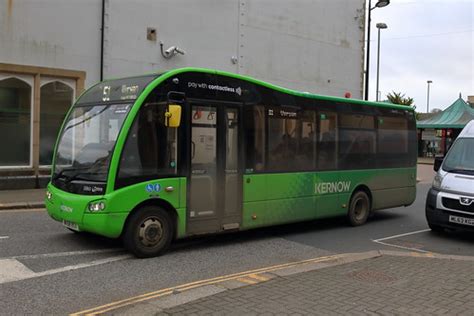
x: 173, y: 115
x: 437, y: 163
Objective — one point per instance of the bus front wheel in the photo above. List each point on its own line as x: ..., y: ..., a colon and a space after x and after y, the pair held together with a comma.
x: 148, y: 232
x: 359, y: 209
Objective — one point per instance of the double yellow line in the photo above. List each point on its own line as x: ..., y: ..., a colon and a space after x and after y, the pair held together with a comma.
x: 249, y: 277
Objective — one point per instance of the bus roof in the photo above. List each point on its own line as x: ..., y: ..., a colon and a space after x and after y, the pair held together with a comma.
x: 170, y: 73
x: 158, y: 77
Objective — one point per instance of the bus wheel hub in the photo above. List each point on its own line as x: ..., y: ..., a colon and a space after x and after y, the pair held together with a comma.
x: 150, y: 232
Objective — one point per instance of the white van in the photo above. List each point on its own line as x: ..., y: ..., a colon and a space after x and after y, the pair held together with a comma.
x: 450, y: 201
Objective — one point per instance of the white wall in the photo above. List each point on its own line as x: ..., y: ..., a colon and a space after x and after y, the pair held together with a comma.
x: 205, y: 29
x: 309, y: 45
x: 52, y: 33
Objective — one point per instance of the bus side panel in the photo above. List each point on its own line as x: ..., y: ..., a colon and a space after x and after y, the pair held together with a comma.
x: 327, y: 189
x: 388, y: 187
x: 393, y: 187
x: 271, y: 199
x: 126, y: 199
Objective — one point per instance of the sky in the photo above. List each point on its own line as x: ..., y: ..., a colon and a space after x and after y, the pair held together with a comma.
x: 425, y: 40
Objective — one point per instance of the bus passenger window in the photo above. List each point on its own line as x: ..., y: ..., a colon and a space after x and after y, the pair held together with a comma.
x: 255, y: 134
x: 281, y: 144
x: 327, y: 140
x: 393, y: 148
x: 306, y: 151
x: 150, y: 148
x: 357, y: 141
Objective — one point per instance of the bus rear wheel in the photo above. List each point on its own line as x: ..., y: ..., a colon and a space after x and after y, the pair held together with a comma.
x: 148, y: 232
x: 359, y: 209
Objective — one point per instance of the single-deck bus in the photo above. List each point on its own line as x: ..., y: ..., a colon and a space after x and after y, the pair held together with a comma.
x: 196, y: 151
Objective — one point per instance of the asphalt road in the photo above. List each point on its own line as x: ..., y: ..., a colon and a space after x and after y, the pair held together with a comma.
x: 60, y: 272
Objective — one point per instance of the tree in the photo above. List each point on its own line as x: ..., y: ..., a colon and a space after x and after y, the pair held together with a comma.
x: 399, y: 98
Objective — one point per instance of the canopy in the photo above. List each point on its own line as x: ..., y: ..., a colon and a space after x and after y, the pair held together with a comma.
x: 457, y: 115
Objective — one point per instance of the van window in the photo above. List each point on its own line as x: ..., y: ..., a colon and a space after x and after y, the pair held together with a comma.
x: 460, y: 158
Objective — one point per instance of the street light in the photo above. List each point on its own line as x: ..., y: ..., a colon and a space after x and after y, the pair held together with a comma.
x: 428, y: 97
x: 379, y: 26
x: 379, y: 4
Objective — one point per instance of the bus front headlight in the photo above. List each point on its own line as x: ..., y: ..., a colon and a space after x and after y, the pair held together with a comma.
x: 96, y: 206
x: 437, y: 182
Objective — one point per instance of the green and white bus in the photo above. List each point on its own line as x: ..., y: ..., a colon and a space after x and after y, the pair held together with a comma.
x: 196, y: 151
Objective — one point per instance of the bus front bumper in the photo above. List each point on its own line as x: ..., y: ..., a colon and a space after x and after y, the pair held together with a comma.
x: 71, y: 210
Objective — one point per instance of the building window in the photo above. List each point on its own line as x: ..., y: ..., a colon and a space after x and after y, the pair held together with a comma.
x: 15, y: 122
x: 56, y: 98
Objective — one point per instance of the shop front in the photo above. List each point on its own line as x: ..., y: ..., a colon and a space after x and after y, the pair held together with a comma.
x: 437, y: 133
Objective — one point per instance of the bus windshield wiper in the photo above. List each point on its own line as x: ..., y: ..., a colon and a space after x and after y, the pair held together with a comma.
x: 61, y: 173
x: 79, y: 176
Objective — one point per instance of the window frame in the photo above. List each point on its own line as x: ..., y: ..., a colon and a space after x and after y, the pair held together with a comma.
x: 44, y: 80
x: 30, y: 81
x: 36, y: 72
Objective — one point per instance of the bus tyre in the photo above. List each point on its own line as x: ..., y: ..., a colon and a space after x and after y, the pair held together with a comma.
x: 148, y: 232
x: 359, y: 209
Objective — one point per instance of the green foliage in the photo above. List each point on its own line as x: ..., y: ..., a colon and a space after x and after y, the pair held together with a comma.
x: 399, y: 98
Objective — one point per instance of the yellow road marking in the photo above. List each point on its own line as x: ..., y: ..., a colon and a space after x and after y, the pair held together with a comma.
x: 247, y: 280
x: 258, y: 277
x: 184, y: 287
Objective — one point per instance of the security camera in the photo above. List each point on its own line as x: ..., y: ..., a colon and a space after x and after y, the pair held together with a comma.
x: 179, y: 51
x: 171, y: 51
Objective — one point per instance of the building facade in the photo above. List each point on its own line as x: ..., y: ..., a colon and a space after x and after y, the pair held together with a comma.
x: 51, y: 50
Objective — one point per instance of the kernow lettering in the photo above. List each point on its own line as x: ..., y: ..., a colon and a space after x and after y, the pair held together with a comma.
x: 332, y: 187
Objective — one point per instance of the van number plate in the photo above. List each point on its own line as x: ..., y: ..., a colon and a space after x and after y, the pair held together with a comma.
x: 461, y: 220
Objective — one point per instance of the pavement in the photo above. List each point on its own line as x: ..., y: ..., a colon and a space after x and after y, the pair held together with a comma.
x: 425, y: 160
x: 21, y: 199
x: 369, y: 283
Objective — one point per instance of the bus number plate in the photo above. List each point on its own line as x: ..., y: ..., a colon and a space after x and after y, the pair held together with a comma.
x: 71, y: 225
x: 461, y: 220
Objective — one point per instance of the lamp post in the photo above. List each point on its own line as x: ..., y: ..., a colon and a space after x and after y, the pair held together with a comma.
x: 379, y: 4
x: 379, y: 26
x: 428, y: 97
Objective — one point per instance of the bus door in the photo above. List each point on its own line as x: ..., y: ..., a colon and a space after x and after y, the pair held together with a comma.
x: 215, y: 180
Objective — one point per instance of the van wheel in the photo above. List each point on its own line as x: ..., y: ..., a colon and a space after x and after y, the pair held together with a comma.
x: 148, y: 232
x: 359, y: 209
